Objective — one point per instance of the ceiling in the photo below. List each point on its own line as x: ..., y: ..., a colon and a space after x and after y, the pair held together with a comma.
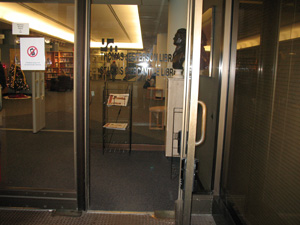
x: 107, y: 20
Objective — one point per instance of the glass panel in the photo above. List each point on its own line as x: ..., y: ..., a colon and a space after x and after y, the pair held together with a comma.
x: 134, y: 163
x: 262, y: 182
x: 212, y: 33
x: 43, y: 160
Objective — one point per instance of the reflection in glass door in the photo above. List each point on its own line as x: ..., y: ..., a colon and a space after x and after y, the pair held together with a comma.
x: 261, y: 162
x: 131, y: 58
x: 37, y: 165
x: 209, y: 92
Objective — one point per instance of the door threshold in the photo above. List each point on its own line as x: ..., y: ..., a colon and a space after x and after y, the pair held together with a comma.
x: 164, y: 214
x: 151, y: 213
x: 64, y: 212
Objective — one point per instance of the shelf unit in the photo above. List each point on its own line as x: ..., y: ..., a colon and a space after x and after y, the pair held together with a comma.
x: 52, y: 70
x: 114, y: 139
x: 66, y: 63
x: 59, y: 63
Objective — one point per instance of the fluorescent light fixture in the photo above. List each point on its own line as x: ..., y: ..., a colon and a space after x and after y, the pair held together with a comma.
x: 119, y: 45
x: 286, y: 33
x: 248, y: 42
x: 207, y: 48
x: 129, y: 14
x: 15, y: 13
x: 289, y: 32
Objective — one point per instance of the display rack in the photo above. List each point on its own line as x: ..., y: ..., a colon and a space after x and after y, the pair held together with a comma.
x: 117, y: 119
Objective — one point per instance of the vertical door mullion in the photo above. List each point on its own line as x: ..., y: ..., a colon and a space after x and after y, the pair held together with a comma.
x: 227, y: 91
x: 79, y: 101
x: 87, y: 99
x: 195, y: 26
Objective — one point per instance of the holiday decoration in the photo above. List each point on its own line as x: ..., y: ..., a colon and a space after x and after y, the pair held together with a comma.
x: 16, y: 79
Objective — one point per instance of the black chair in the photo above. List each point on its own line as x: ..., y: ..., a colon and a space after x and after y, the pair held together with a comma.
x: 62, y: 83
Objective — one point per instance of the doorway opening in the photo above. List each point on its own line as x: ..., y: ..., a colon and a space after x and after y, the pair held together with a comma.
x: 129, y: 68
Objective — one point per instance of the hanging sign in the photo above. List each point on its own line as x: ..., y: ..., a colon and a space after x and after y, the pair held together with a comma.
x: 32, y: 53
x: 20, y: 28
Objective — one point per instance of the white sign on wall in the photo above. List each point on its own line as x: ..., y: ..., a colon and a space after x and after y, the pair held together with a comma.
x: 20, y: 28
x: 32, y: 53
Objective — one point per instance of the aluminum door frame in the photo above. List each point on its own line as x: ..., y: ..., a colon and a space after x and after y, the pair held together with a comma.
x: 226, y: 94
x: 190, y: 105
x: 53, y: 198
x: 81, y: 90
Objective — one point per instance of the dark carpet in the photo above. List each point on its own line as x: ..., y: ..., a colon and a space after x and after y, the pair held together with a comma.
x: 42, y: 160
x: 119, y: 181
x: 140, y: 181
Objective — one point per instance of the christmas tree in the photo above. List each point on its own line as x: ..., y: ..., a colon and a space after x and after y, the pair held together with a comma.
x: 16, y: 79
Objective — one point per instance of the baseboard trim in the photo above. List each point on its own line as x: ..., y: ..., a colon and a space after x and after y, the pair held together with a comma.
x: 134, y: 147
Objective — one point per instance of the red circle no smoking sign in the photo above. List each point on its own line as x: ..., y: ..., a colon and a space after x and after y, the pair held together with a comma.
x: 32, y: 51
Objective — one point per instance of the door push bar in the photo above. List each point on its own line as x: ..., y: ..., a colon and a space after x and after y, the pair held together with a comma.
x: 203, y: 125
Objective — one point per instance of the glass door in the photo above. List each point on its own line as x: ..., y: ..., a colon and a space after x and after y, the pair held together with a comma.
x: 146, y: 64
x: 202, y: 111
x: 190, y: 113
x: 261, y: 161
x: 37, y: 155
x: 134, y: 155
x: 129, y: 69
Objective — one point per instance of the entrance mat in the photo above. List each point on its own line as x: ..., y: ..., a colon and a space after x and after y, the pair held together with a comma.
x: 46, y: 218
x: 33, y: 217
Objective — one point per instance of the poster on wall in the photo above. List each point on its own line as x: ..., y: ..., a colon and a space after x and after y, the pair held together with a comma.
x: 32, y: 53
x: 20, y: 28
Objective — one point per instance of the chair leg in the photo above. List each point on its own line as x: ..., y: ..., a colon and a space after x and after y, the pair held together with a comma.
x: 150, y: 121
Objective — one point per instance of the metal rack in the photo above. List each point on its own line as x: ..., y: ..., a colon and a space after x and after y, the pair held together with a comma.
x: 117, y: 140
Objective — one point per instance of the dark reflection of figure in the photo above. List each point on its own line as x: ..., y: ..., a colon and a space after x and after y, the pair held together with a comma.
x: 179, y: 53
x: 204, y: 61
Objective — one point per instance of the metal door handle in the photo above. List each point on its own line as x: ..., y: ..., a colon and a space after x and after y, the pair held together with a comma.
x: 203, y: 127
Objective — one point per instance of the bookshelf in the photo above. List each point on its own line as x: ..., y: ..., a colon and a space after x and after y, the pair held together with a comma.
x: 52, y: 62
x: 59, y: 63
x: 66, y: 63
